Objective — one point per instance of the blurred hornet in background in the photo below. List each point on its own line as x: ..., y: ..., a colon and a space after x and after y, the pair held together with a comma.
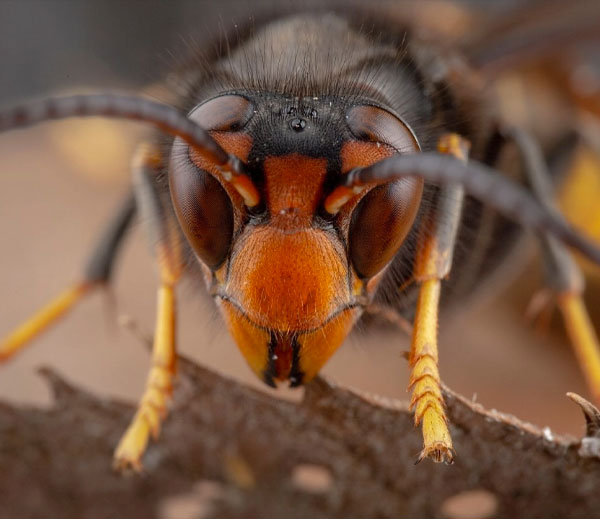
x: 327, y: 163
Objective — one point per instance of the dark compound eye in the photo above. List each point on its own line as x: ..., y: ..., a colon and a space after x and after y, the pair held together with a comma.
x: 384, y: 216
x: 374, y: 124
x: 227, y: 113
x: 202, y: 205
x: 380, y: 223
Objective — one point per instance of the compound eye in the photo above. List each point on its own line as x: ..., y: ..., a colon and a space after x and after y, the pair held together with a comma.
x: 374, y: 124
x: 226, y: 113
x: 202, y: 206
x: 385, y: 215
x: 380, y: 222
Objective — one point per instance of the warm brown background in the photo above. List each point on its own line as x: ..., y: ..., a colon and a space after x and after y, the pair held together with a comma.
x: 59, y: 182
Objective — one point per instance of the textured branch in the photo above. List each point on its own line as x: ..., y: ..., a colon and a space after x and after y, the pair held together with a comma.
x: 229, y: 451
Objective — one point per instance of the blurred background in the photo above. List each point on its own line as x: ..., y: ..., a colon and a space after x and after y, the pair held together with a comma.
x: 59, y: 183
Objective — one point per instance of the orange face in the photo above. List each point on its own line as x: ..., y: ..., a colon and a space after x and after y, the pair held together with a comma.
x: 287, y: 287
x: 289, y: 300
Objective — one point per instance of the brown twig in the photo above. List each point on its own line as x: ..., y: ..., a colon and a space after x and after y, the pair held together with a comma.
x: 229, y: 451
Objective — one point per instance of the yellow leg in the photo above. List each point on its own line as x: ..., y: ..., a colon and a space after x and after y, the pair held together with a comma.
x: 427, y: 400
x: 47, y: 316
x: 433, y: 263
x: 152, y: 408
x: 96, y: 274
x: 583, y: 338
x: 564, y: 279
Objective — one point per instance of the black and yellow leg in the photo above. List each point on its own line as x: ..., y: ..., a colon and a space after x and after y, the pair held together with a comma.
x: 433, y: 264
x: 152, y: 407
x: 563, y: 276
x: 97, y: 274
